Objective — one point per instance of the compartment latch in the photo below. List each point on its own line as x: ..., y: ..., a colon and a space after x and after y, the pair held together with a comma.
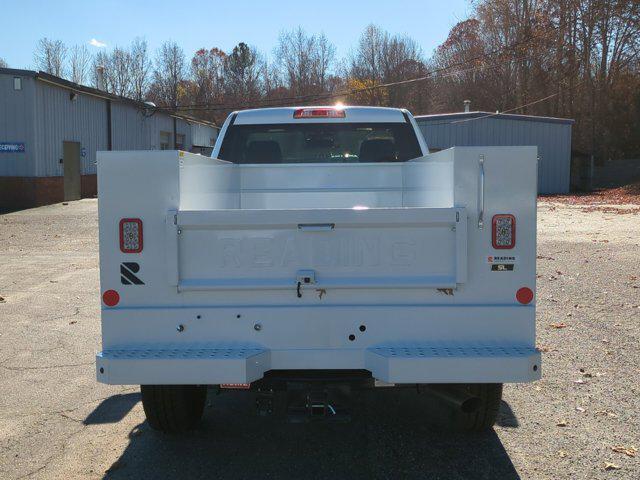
x: 304, y: 277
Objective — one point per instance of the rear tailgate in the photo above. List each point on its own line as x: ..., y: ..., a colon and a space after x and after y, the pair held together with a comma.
x: 333, y: 248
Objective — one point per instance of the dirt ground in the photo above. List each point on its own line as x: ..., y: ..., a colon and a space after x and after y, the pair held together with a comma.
x: 580, y: 421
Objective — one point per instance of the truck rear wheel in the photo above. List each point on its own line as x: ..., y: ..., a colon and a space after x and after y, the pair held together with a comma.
x: 173, y: 408
x: 484, y: 417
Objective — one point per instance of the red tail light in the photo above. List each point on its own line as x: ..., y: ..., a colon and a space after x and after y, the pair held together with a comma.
x: 524, y: 295
x: 111, y: 298
x: 319, y: 113
x: 130, y: 235
x: 503, y: 235
x: 236, y: 386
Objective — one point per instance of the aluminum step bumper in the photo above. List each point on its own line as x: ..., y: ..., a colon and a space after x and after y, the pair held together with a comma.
x: 392, y: 364
x: 454, y: 364
x: 172, y: 366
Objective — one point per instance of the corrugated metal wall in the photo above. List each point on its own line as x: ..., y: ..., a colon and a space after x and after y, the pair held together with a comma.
x: 203, y: 135
x: 184, y: 128
x: 552, y: 137
x: 59, y: 119
x: 16, y: 126
x: 134, y: 129
x: 43, y: 116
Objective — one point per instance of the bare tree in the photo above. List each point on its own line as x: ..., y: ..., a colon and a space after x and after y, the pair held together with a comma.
x: 294, y: 53
x: 381, y: 58
x: 304, y: 61
x: 169, y: 73
x: 118, y: 71
x: 367, y: 60
x: 402, y: 59
x: 365, y: 69
x: 207, y: 75
x: 453, y: 84
x: 273, y: 82
x: 79, y: 64
x: 50, y: 56
x: 100, y: 59
x: 323, y: 59
x: 140, y: 68
x: 126, y: 70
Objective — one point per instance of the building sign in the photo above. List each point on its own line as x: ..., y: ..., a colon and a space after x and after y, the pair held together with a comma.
x: 11, y: 147
x: 83, y: 152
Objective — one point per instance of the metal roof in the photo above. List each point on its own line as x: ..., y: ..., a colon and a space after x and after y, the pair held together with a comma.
x: 507, y: 116
x: 61, y: 82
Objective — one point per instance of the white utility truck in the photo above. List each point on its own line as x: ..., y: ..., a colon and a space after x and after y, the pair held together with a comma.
x: 319, y: 251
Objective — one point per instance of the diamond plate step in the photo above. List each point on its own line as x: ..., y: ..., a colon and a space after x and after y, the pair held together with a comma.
x: 453, y: 363
x: 182, y: 365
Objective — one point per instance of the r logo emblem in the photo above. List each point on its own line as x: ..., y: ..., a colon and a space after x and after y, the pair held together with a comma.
x: 128, y: 272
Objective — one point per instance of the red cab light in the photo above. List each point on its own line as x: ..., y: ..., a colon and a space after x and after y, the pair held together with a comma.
x: 524, y: 295
x: 111, y: 298
x: 319, y: 113
x: 236, y: 386
x: 503, y: 231
x: 130, y: 235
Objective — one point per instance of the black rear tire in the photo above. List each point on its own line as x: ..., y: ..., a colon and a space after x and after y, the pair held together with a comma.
x: 490, y: 395
x: 173, y: 408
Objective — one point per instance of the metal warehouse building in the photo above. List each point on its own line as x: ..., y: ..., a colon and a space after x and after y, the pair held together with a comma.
x: 51, y: 129
x: 552, y: 136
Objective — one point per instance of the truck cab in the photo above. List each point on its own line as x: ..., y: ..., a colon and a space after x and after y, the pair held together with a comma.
x: 319, y: 250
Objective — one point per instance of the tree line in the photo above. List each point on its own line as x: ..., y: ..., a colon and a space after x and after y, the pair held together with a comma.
x: 567, y: 58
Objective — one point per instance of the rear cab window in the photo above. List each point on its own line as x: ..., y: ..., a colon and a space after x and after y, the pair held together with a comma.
x: 320, y: 143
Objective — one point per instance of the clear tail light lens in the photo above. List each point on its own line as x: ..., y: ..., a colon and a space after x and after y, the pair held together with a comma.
x: 503, y: 231
x: 130, y: 235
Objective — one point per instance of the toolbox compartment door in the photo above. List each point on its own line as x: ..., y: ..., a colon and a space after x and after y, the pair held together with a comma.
x: 328, y: 248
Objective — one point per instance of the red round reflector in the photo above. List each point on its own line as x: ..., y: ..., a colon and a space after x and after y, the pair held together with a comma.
x: 524, y: 295
x: 110, y: 298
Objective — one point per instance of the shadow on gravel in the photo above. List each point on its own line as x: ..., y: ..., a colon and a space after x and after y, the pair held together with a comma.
x: 393, y: 434
x: 506, y: 417
x: 113, y: 409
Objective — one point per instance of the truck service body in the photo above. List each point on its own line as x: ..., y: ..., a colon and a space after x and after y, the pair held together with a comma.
x: 318, y: 242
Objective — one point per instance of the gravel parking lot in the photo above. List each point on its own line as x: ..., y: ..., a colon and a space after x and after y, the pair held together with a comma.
x: 580, y: 421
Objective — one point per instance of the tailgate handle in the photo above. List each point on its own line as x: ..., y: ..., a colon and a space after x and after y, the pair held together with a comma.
x: 316, y: 227
x: 481, y: 194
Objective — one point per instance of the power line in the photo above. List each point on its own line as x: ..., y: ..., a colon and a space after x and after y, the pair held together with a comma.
x: 520, y: 107
x: 268, y: 102
x: 308, y: 97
